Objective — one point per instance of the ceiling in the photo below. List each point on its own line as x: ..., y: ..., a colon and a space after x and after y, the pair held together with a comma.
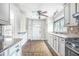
x: 30, y: 8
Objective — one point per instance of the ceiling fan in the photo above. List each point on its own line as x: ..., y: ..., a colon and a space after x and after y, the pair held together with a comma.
x: 41, y: 13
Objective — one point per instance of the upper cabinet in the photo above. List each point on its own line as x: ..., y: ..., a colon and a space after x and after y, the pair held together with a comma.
x: 4, y: 13
x: 69, y: 10
x: 77, y: 7
x: 66, y: 13
x: 72, y: 11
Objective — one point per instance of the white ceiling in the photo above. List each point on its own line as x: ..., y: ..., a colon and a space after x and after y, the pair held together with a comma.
x: 30, y: 8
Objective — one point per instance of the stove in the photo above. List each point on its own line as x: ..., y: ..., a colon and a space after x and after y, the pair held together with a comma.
x: 72, y: 47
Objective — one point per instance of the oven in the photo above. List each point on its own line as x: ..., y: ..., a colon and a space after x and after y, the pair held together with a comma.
x: 72, y: 47
x: 70, y: 52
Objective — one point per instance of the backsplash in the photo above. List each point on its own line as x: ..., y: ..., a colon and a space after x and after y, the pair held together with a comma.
x: 73, y: 30
x: 0, y: 30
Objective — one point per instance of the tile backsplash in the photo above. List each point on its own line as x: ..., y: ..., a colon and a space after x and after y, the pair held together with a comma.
x: 0, y: 30
x: 73, y: 29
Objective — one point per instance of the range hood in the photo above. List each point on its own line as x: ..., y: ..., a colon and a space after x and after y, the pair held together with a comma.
x: 76, y: 15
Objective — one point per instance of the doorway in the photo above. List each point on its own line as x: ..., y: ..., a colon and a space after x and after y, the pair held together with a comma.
x: 36, y: 30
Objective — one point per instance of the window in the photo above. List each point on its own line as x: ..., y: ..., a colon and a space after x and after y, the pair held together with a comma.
x: 59, y: 26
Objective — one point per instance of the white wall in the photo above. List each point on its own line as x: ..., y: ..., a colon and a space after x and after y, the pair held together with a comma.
x: 18, y: 21
x: 49, y: 27
x: 50, y: 24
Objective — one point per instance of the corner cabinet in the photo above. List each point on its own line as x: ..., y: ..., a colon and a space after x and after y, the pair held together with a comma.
x: 4, y: 13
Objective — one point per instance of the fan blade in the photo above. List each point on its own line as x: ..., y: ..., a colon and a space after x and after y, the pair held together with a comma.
x: 44, y: 15
x: 44, y: 12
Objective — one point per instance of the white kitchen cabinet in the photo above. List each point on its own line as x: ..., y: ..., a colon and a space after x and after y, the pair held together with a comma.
x: 73, y: 21
x: 15, y: 50
x: 2, y: 54
x: 61, y: 46
x: 66, y: 13
x: 51, y: 40
x: 6, y: 52
x: 77, y: 7
x: 56, y: 43
x: 4, y: 13
x: 69, y: 10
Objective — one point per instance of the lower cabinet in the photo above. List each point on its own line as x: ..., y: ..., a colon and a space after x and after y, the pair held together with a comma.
x: 15, y: 50
x: 2, y: 54
x: 57, y: 43
x: 61, y: 46
x: 50, y: 40
x: 6, y: 52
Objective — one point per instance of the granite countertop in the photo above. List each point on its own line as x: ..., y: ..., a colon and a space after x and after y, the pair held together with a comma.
x: 8, y: 44
x: 66, y: 35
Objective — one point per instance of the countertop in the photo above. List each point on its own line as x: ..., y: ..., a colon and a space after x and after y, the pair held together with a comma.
x: 8, y: 44
x: 66, y: 35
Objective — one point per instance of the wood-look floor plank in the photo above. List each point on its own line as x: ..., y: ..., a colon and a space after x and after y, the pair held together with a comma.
x: 35, y: 48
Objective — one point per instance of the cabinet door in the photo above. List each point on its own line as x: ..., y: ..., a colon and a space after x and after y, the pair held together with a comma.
x: 62, y: 46
x: 56, y: 44
x: 66, y: 13
x: 77, y: 7
x: 4, y: 13
x: 6, y: 52
x: 51, y: 41
x: 2, y: 54
x: 54, y: 39
x: 72, y: 11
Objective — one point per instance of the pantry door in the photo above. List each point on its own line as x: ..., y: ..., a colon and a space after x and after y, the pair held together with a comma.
x: 38, y: 30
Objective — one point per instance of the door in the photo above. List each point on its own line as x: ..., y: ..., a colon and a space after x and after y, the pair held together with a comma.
x: 38, y: 31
